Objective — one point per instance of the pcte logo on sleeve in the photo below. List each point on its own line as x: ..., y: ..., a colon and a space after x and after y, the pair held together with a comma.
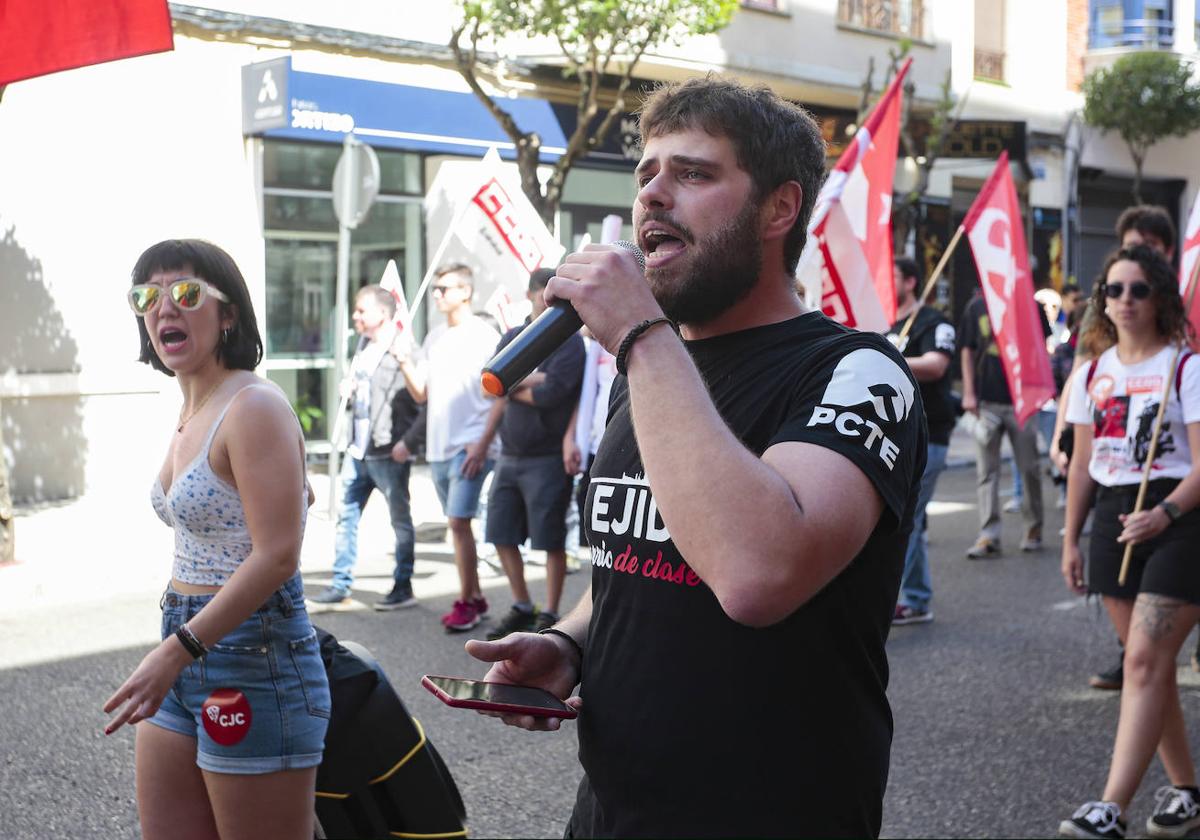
x: 866, y: 389
x: 226, y: 716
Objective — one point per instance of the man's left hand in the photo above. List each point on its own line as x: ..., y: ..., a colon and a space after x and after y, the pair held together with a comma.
x: 476, y: 459
x: 400, y: 453
x: 608, y: 289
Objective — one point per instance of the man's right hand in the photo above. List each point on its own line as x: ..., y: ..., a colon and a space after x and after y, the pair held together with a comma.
x: 400, y: 452
x: 543, y: 661
x: 475, y: 460
x: 970, y: 404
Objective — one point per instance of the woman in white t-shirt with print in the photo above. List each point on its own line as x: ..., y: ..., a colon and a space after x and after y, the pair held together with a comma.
x: 1113, y: 405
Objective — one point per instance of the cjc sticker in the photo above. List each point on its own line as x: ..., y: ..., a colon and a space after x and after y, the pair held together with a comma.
x: 226, y: 715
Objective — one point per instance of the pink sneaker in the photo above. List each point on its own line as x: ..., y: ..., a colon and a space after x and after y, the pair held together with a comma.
x: 464, y: 616
x: 481, y: 606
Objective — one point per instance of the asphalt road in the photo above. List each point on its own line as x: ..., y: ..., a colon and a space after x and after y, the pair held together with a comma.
x: 997, y: 734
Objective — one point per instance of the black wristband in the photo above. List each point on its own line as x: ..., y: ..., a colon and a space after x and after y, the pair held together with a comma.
x: 189, y: 641
x: 633, y: 335
x: 554, y: 631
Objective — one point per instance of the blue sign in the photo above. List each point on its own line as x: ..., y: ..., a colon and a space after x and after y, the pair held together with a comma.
x: 326, y: 108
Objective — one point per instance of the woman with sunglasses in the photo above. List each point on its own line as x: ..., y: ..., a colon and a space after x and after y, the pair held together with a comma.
x: 234, y: 703
x: 1113, y: 404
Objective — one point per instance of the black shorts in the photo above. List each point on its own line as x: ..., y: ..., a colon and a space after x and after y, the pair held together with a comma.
x: 1167, y: 565
x: 529, y: 499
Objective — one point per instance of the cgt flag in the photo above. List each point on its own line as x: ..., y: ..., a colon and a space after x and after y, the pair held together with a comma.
x: 391, y: 282
x: 993, y: 227
x: 1188, y: 269
x: 848, y: 256
x: 39, y: 37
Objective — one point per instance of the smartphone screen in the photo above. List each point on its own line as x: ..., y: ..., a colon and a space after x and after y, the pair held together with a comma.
x: 497, y: 697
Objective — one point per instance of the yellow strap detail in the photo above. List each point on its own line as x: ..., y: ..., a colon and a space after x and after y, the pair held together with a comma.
x: 462, y: 833
x: 401, y: 763
x: 324, y: 795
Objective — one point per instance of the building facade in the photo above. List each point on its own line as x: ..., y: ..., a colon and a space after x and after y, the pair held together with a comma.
x: 234, y: 136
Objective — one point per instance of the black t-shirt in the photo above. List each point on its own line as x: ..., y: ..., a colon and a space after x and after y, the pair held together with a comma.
x: 693, y: 724
x: 538, y: 429
x: 931, y: 331
x: 975, y: 332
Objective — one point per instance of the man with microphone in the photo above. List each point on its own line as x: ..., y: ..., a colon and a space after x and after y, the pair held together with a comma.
x: 749, y: 508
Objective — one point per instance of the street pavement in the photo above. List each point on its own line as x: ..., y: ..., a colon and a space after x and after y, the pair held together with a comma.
x: 997, y: 733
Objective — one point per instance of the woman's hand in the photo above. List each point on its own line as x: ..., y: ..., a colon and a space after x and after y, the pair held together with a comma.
x: 149, y: 683
x: 1144, y: 525
x: 1072, y: 567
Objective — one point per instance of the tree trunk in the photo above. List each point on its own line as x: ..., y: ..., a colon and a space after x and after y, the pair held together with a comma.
x: 8, y: 525
x: 1138, y: 161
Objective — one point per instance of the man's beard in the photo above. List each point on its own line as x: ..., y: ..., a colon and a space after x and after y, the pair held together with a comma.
x: 721, y: 271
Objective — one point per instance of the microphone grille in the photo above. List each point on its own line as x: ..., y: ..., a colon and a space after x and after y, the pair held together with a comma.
x: 637, y: 252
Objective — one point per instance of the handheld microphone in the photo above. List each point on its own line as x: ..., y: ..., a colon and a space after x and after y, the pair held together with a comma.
x: 534, y: 344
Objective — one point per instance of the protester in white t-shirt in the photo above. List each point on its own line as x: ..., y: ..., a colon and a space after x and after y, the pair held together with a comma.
x: 582, y: 439
x: 460, y: 438
x: 1113, y: 405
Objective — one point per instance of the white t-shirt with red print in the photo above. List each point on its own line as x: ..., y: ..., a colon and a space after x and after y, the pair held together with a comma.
x: 1121, y: 403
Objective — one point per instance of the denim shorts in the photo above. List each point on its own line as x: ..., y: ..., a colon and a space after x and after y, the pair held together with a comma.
x: 459, y: 495
x: 258, y: 702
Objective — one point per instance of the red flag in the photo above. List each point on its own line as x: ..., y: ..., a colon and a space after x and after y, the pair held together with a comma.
x: 993, y: 227
x: 39, y: 37
x: 849, y: 251
x: 1190, y: 254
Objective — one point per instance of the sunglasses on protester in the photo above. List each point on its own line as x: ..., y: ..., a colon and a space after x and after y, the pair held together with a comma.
x: 188, y: 294
x: 1140, y: 291
x: 441, y: 290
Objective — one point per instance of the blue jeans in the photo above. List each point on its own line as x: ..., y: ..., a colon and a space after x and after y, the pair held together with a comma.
x: 916, y: 587
x: 357, y: 480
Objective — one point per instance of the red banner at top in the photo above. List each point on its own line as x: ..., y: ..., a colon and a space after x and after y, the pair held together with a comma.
x: 39, y: 37
x: 993, y: 227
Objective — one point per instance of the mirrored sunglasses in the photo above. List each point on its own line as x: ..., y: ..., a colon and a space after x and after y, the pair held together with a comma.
x: 1140, y: 291
x: 187, y: 293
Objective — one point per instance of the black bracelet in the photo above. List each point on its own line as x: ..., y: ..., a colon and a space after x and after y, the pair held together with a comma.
x: 554, y: 631
x: 633, y: 335
x: 189, y: 641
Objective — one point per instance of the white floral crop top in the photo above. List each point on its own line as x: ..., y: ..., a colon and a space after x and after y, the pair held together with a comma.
x: 205, y: 511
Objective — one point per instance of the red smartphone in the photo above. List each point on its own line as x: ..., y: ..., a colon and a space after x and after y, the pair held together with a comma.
x: 496, y: 697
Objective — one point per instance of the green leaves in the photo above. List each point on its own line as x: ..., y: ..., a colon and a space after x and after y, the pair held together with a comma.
x: 1144, y: 97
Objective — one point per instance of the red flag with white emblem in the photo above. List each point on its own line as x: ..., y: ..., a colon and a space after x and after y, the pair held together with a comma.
x: 1188, y: 269
x: 39, y: 37
x: 848, y: 256
x: 993, y: 227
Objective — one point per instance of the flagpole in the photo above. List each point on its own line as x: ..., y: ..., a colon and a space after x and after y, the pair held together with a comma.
x: 933, y: 278
x: 1158, y: 421
x: 435, y: 261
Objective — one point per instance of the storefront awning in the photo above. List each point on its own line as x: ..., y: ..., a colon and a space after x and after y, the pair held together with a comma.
x: 281, y: 102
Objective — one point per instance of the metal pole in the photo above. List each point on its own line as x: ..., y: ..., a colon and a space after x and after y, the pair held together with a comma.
x: 8, y: 522
x: 340, y: 319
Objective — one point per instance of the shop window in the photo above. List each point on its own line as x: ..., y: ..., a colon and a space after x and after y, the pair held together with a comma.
x: 901, y: 18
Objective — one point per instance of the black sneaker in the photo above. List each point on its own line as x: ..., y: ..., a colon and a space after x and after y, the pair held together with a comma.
x: 1110, y: 680
x: 544, y: 621
x: 1094, y: 819
x: 1176, y: 812
x: 399, y: 598
x: 516, y: 621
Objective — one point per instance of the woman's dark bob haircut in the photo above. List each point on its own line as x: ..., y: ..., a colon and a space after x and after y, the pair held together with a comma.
x: 242, y: 347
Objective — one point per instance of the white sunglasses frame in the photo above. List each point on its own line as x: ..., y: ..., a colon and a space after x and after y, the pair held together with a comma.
x: 206, y: 289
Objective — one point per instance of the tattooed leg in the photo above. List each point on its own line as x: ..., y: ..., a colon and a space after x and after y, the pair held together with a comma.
x: 1150, y: 713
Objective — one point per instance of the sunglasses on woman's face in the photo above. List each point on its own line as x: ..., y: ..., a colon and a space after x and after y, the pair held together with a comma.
x: 1140, y: 291
x: 188, y: 293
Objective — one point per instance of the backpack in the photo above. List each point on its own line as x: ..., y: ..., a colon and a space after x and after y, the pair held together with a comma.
x: 380, y: 775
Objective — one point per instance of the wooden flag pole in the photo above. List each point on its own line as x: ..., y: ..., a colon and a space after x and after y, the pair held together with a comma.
x: 933, y: 278
x: 1158, y: 420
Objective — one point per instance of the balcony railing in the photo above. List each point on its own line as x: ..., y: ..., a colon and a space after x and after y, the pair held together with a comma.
x: 1145, y: 34
x: 989, y: 65
x: 903, y: 18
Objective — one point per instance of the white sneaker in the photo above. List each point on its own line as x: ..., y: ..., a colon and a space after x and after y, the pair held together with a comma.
x: 1176, y: 812
x: 1013, y: 505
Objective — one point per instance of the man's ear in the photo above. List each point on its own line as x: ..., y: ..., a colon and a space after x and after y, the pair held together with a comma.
x: 780, y: 210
